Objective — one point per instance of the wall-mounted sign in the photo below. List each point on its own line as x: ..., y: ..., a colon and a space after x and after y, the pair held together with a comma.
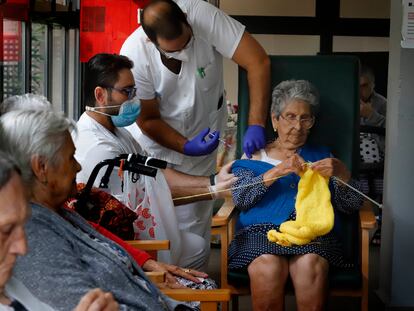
x: 407, y: 31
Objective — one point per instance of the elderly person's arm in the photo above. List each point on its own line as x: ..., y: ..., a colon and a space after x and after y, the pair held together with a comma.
x: 344, y: 198
x: 371, y: 116
x: 375, y: 119
x: 140, y: 256
x: 144, y: 260
x: 250, y: 189
x: 97, y: 300
x: 52, y: 265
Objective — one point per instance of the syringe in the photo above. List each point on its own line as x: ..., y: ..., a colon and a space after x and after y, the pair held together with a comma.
x: 211, y: 135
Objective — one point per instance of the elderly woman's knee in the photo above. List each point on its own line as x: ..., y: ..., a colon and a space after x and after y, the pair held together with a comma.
x: 312, y: 265
x: 316, y: 262
x: 270, y: 266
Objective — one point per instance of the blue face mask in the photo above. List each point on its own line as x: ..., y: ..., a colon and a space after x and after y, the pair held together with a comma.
x: 127, y: 115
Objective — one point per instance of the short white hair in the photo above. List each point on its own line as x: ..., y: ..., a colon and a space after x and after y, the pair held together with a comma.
x: 289, y: 90
x: 28, y: 133
x: 26, y: 101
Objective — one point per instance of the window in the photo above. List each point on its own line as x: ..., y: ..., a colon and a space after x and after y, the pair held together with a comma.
x: 57, y: 62
x: 38, y: 59
x: 40, y: 52
x: 73, y: 87
x: 12, y: 73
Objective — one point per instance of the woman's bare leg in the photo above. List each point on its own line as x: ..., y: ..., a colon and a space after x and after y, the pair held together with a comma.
x: 268, y: 275
x: 309, y: 275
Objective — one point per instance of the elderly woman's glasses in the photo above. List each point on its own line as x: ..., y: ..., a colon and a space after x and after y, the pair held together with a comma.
x: 129, y: 91
x: 306, y: 123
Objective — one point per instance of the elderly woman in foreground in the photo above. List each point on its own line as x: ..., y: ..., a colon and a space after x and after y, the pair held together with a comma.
x: 67, y: 256
x: 270, y: 199
x: 13, y: 215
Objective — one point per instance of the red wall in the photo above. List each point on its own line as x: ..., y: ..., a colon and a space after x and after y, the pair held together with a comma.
x: 105, y: 24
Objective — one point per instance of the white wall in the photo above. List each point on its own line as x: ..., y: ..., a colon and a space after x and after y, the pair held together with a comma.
x: 360, y: 44
x: 365, y: 8
x: 274, y: 45
x: 303, y: 45
x: 269, y: 7
x: 397, y: 252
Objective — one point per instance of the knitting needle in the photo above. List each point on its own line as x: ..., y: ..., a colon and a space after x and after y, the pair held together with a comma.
x: 275, y: 178
x: 359, y: 192
x: 353, y: 188
x: 228, y: 189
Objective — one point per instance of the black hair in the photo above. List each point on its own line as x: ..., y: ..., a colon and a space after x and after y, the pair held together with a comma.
x: 167, y: 23
x: 103, y: 70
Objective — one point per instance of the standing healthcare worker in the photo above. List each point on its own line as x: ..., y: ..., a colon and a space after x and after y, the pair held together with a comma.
x: 178, y: 70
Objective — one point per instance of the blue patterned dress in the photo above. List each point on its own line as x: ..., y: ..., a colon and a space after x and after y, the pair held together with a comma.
x: 251, y: 239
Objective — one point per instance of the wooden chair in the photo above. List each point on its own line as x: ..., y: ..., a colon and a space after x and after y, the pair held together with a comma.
x: 209, y: 299
x: 336, y: 78
x: 357, y: 279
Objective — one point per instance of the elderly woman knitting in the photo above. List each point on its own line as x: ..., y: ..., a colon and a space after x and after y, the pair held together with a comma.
x: 67, y: 257
x: 273, y: 239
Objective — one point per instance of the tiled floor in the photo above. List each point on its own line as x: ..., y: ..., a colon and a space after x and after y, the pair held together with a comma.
x: 336, y: 304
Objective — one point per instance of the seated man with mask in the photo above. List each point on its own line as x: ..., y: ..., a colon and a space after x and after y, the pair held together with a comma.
x: 190, y: 278
x: 109, y: 91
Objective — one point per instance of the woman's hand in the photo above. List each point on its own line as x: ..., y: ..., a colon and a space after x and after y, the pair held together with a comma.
x: 331, y: 167
x: 294, y: 164
x: 172, y: 271
x: 97, y: 300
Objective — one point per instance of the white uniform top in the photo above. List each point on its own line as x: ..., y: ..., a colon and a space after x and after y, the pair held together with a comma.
x: 149, y: 197
x: 188, y: 102
x: 94, y: 143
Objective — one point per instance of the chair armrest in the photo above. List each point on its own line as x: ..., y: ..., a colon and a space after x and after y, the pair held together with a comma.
x: 150, y: 245
x: 366, y: 216
x: 224, y: 214
x: 198, y: 295
x: 156, y: 276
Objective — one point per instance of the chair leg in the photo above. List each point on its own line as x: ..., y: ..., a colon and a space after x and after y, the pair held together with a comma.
x: 365, y: 269
x: 364, y: 303
x: 235, y: 303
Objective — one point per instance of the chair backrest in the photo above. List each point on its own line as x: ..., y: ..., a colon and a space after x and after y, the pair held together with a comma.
x: 337, y: 124
x: 337, y: 79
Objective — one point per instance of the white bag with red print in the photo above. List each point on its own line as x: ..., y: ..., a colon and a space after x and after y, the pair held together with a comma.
x: 156, y: 215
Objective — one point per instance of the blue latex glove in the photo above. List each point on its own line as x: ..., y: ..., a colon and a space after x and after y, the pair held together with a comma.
x: 198, y: 146
x: 254, y: 139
